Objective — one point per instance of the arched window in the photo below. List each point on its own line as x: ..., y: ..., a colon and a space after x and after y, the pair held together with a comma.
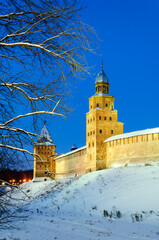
x: 100, y: 131
x: 106, y: 104
x: 110, y: 118
x: 112, y: 132
x: 100, y: 118
x: 97, y: 104
x: 105, y: 118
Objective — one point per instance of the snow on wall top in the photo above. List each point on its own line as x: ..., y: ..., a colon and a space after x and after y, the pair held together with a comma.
x: 133, y: 134
x: 74, y: 151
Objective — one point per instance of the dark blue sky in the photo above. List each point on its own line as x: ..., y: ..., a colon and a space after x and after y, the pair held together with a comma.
x: 129, y: 47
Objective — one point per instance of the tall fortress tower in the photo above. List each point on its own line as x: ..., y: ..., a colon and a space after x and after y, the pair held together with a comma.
x: 106, y: 145
x: 101, y: 123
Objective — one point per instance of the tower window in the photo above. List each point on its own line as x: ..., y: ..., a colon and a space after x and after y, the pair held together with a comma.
x: 105, y: 118
x: 100, y: 131
x: 96, y: 89
x: 110, y: 118
x: 106, y: 104
x: 99, y: 117
x: 97, y: 104
x: 104, y: 89
x: 112, y: 132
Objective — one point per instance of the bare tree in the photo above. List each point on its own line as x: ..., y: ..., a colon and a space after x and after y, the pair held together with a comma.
x: 42, y: 46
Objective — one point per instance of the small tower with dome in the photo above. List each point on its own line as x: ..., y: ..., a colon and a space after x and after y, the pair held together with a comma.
x: 101, y: 122
x: 44, y: 166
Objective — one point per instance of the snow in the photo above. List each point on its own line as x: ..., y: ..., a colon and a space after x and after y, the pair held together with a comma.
x: 133, y: 134
x: 68, y: 153
x: 89, y: 207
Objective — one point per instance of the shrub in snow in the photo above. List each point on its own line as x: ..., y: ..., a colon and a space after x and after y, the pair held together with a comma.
x: 136, y: 217
x: 113, y: 214
x: 94, y: 207
x: 105, y: 213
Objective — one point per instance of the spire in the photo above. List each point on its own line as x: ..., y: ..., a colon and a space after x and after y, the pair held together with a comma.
x: 102, y: 66
x: 45, y: 137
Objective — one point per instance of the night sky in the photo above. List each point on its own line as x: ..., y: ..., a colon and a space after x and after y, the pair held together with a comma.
x: 129, y: 47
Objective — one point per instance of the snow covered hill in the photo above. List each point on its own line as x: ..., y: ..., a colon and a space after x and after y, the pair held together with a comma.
x: 115, y: 204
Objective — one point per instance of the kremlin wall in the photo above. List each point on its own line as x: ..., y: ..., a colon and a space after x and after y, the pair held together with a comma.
x: 106, y: 145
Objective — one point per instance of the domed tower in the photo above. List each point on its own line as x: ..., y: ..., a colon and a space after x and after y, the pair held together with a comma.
x: 101, y: 82
x: 44, y: 166
x: 101, y: 123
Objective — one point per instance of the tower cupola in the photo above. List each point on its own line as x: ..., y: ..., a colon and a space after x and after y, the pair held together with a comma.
x: 101, y: 82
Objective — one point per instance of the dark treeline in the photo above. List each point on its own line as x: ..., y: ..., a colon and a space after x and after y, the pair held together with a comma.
x: 8, y: 174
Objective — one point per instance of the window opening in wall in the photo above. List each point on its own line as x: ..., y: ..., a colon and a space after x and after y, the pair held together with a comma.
x: 93, y: 144
x: 99, y: 88
x: 97, y: 104
x: 93, y: 132
x: 91, y: 106
x: 93, y: 118
x: 104, y: 89
x: 100, y: 131
x: 88, y: 134
x: 110, y: 118
x: 105, y: 118
x: 89, y: 145
x: 99, y: 117
x: 88, y: 120
x: 112, y: 132
x: 96, y: 89
x: 106, y: 104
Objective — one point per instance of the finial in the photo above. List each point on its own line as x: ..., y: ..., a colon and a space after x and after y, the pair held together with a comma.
x: 102, y: 66
x: 44, y: 122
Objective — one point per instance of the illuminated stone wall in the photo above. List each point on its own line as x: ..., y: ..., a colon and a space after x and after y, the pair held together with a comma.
x: 135, y: 150
x: 71, y: 164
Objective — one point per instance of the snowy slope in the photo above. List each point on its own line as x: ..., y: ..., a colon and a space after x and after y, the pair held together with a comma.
x: 116, y: 204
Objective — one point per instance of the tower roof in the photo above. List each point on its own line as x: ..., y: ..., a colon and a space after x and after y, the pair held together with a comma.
x: 73, y: 147
x: 45, y: 137
x: 101, y: 77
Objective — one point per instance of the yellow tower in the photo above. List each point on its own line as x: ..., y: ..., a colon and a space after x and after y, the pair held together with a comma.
x: 44, y: 166
x: 101, y: 123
